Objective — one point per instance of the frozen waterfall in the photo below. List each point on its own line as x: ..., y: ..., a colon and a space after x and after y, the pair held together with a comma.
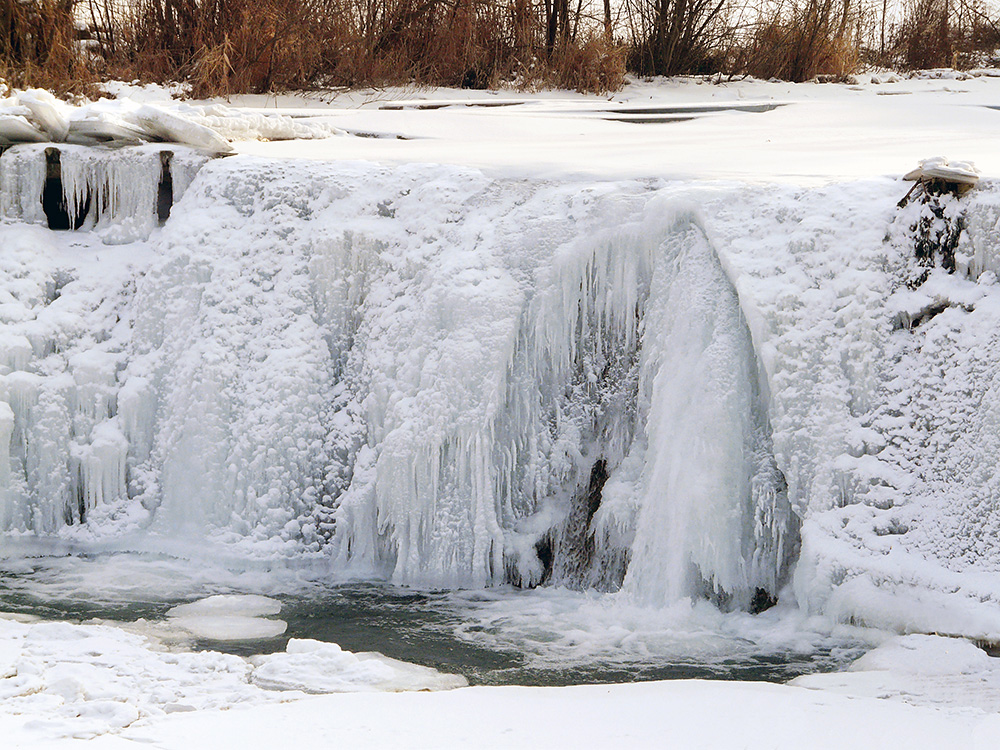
x: 446, y: 379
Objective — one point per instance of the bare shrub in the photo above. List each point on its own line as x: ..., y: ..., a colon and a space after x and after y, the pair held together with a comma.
x: 37, y: 45
x: 228, y: 46
x: 800, y: 42
x: 944, y: 33
x: 224, y: 47
x: 923, y: 38
x: 670, y: 37
x: 593, y: 66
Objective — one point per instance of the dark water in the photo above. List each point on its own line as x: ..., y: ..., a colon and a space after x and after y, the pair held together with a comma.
x: 445, y: 630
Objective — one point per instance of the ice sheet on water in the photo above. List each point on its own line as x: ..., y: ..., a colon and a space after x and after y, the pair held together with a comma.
x: 230, y: 617
x: 316, y: 667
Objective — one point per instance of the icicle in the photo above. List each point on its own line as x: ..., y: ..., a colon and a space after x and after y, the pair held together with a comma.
x: 137, y: 414
x: 101, y: 470
x: 15, y: 351
x: 47, y: 456
x: 114, y: 191
x: 184, y: 165
x: 22, y: 179
x: 6, y: 433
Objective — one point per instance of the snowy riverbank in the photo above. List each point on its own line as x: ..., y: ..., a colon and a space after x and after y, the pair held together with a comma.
x: 67, y: 686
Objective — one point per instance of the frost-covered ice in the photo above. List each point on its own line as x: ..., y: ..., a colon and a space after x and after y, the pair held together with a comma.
x: 316, y: 667
x: 229, y: 617
x: 416, y: 371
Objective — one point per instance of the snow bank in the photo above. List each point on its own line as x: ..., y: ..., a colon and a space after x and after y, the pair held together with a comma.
x: 921, y: 671
x: 646, y: 715
x: 62, y: 681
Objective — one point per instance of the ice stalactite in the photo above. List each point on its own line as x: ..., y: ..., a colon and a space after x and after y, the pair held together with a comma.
x: 112, y: 191
x: 6, y: 432
x: 22, y: 180
x: 115, y: 191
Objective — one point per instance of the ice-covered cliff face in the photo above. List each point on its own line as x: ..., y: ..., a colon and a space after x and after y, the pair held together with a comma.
x: 425, y: 373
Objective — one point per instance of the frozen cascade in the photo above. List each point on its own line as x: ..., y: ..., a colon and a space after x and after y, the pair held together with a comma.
x: 112, y: 190
x: 471, y: 388
x: 447, y: 379
x: 713, y: 513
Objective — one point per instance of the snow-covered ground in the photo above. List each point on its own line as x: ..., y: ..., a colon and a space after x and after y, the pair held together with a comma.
x: 66, y: 686
x: 827, y: 131
x: 404, y: 349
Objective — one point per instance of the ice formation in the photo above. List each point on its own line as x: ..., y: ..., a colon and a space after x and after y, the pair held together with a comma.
x: 448, y: 379
x: 229, y: 617
x: 36, y: 116
x: 113, y: 191
x: 317, y: 667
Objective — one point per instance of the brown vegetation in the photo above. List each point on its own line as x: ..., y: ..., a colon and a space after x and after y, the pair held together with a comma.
x: 229, y: 46
x: 801, y: 41
x: 37, y: 44
x: 223, y: 47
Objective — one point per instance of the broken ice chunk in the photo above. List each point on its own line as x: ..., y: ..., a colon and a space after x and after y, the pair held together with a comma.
x: 939, y: 168
x: 46, y: 113
x: 230, y: 617
x: 173, y: 127
x: 17, y: 129
x: 317, y: 667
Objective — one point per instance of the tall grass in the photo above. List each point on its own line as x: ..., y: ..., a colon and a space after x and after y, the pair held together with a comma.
x: 229, y: 46
x: 38, y: 44
x: 223, y: 47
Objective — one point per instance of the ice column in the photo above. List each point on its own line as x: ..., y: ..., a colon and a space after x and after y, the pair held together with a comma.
x: 713, y: 517
x: 22, y: 179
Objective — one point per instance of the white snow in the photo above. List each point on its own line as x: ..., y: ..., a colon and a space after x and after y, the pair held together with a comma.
x: 61, y: 681
x: 64, y: 684
x: 938, y: 167
x: 920, y: 670
x: 404, y: 355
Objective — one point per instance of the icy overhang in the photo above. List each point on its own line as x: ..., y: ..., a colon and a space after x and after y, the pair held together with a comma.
x: 122, y: 193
